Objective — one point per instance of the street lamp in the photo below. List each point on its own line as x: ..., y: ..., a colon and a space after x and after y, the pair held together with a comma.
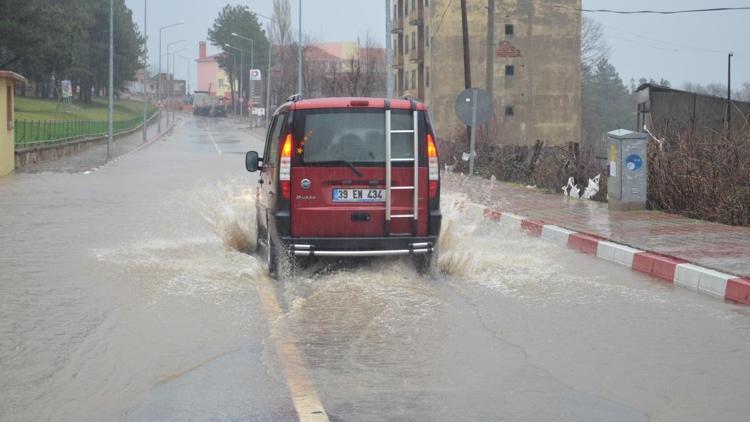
x: 158, y: 89
x: 188, y: 61
x: 110, y: 133
x: 171, y: 81
x: 299, y: 52
x: 231, y: 85
x: 171, y: 85
x: 242, y: 65
x: 252, y: 49
x: 145, y: 70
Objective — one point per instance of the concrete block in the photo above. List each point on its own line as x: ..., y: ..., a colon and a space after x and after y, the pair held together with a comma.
x: 688, y: 276
x: 533, y: 228
x: 584, y: 243
x: 738, y: 290
x: 556, y: 235
x: 511, y: 221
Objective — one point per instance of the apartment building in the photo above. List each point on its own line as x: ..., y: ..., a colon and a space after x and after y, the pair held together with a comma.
x: 537, y: 82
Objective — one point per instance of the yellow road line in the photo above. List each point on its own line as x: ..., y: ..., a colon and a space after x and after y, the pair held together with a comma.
x: 301, y: 387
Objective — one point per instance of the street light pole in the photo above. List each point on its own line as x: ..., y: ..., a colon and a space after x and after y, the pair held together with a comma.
x: 388, y: 51
x: 299, y: 53
x: 268, y: 83
x: 111, y: 76
x: 174, y: 71
x: 158, y: 83
x: 252, y: 53
x: 171, y: 81
x: 145, y: 70
x: 729, y: 94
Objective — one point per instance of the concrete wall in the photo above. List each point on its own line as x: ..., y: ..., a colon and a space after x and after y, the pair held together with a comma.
x: 7, y: 140
x: 673, y: 113
x: 545, y: 90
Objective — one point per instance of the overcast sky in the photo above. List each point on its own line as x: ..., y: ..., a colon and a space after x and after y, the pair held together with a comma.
x: 679, y: 48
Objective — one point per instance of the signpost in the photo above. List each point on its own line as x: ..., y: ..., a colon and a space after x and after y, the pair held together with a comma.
x: 474, y: 107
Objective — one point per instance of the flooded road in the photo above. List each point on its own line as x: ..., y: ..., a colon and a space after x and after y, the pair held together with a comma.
x: 128, y: 294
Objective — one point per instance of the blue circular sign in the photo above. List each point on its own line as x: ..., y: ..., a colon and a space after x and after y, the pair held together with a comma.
x: 634, y: 162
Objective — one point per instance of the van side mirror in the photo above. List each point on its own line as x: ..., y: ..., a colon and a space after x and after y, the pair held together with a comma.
x: 251, y: 161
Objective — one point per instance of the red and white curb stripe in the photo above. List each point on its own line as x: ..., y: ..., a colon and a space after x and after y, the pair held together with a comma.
x: 674, y: 270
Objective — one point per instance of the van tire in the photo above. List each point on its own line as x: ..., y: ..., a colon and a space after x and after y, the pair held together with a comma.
x: 272, y: 257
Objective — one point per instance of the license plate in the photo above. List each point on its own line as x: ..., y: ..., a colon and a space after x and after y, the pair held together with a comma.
x: 359, y: 195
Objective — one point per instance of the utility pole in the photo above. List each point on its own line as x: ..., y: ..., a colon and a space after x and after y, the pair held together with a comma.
x: 388, y: 51
x: 158, y: 82
x: 729, y: 94
x: 467, y: 62
x: 111, y: 76
x: 268, y: 83
x: 467, y: 54
x: 145, y: 71
x: 299, y: 52
x: 490, y: 46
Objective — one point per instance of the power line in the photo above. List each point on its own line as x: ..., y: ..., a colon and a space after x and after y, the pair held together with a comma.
x: 671, y: 44
x: 663, y: 12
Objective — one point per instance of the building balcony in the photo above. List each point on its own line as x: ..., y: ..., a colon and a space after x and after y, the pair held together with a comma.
x: 416, y: 16
x: 416, y: 55
x: 397, y: 26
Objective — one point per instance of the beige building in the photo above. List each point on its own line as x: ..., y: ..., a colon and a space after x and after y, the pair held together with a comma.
x: 537, y: 81
x: 7, y: 136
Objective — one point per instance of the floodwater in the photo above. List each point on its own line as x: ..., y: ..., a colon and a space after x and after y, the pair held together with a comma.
x: 131, y: 293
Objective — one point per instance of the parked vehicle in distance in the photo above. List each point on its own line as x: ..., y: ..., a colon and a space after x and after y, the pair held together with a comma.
x: 206, y: 105
x: 348, y: 177
x: 218, y: 110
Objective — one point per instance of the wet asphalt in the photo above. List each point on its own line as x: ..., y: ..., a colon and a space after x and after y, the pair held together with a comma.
x: 131, y: 293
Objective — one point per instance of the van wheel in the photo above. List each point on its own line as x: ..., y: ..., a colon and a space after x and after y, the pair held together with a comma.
x: 426, y: 264
x: 272, y: 259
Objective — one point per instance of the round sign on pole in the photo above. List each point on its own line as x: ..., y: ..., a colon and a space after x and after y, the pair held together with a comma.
x: 471, y: 100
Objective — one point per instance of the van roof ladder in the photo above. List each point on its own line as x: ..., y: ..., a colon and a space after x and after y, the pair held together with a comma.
x: 389, y: 160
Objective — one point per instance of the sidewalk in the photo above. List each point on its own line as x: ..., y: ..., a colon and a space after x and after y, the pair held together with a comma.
x: 96, y: 155
x: 715, y: 246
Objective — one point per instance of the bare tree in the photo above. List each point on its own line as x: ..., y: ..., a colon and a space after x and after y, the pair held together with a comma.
x: 745, y: 93
x: 594, y: 47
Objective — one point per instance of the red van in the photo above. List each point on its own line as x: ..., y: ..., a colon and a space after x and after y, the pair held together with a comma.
x: 348, y: 177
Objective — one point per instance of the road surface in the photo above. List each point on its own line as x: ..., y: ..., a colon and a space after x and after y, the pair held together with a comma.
x: 126, y: 293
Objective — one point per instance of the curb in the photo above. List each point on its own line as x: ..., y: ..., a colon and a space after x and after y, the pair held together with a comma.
x: 667, y: 268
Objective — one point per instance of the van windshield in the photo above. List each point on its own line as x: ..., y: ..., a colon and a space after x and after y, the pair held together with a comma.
x: 355, y: 136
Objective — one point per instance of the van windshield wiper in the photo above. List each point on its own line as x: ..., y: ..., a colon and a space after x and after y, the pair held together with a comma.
x: 347, y: 163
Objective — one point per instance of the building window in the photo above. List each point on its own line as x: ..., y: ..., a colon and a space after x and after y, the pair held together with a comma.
x: 413, y: 79
x: 413, y: 40
x: 427, y: 76
x: 509, y: 70
x: 508, y: 31
x: 426, y: 3
x: 413, y: 4
x: 220, y: 83
x: 406, y: 44
x: 508, y: 111
x: 427, y: 36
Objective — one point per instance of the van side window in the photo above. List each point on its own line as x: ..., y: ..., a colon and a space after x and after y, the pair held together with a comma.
x: 275, y: 139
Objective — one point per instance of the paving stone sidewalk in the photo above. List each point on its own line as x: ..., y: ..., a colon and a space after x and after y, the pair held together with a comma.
x: 716, y: 246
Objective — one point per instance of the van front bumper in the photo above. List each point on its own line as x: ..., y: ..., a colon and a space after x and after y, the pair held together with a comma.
x: 353, y: 247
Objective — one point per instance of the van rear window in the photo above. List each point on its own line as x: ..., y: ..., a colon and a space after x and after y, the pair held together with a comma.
x: 357, y: 136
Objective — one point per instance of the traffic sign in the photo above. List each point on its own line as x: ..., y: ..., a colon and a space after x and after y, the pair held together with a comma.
x: 474, y: 100
x: 255, y: 75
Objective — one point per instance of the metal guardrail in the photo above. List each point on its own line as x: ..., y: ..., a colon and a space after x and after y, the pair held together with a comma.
x: 30, y: 133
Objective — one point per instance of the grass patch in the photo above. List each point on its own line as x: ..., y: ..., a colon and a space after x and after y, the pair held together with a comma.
x: 28, y: 108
